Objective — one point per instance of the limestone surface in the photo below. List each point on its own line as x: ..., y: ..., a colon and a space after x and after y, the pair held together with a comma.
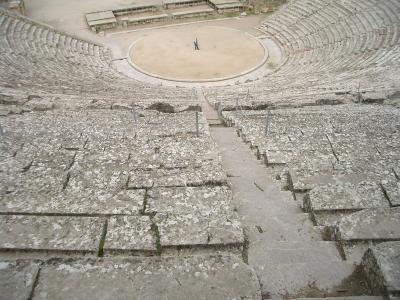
x: 50, y: 233
x: 345, y: 197
x: 370, y: 224
x: 194, y: 277
x: 133, y: 233
x: 17, y: 278
x: 382, y: 265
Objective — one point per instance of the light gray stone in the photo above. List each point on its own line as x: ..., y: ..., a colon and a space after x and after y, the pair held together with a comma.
x: 194, y: 277
x: 382, y: 266
x: 338, y: 197
x: 193, y: 229
x: 208, y: 173
x: 207, y: 201
x: 132, y: 233
x: 50, y: 233
x: 290, y: 279
x: 17, y: 279
x: 195, y: 216
x: 87, y: 201
x: 370, y: 224
x: 391, y: 186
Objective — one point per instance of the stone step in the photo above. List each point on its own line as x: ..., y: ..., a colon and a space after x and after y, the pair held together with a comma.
x: 17, y: 278
x: 357, y: 226
x: 382, y: 267
x: 264, y: 252
x: 284, y: 227
x: 256, y: 202
x: 316, y: 279
x: 191, y: 277
x: 50, y: 233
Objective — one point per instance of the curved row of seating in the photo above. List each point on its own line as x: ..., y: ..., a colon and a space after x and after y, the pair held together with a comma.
x: 39, y: 59
x: 337, y: 46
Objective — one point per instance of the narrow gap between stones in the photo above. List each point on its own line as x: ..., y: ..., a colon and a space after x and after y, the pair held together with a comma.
x: 65, y: 184
x: 156, y: 234
x: 332, y: 149
x: 35, y: 282
x: 72, y: 162
x: 103, y: 239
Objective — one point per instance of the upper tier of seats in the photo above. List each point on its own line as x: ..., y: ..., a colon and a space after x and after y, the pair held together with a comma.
x: 36, y: 57
x: 329, y: 46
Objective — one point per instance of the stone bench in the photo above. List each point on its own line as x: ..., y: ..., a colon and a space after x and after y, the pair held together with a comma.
x: 382, y: 267
x: 214, y: 276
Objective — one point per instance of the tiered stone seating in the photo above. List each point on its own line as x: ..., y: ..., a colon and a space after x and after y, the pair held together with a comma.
x: 340, y: 162
x: 382, y: 264
x: 329, y: 45
x: 148, y: 183
x: 39, y: 60
x: 54, y: 162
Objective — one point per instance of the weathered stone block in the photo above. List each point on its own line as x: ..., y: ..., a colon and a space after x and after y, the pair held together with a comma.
x: 132, y: 233
x: 50, y: 233
x: 17, y: 278
x: 370, y: 224
x: 339, y: 197
x: 391, y: 186
x: 382, y: 266
x: 194, y: 277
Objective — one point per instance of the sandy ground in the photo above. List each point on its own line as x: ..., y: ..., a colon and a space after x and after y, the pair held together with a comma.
x: 69, y: 16
x: 170, y: 52
x: 223, y: 52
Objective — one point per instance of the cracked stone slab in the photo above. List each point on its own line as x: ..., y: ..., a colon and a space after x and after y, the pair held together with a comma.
x: 133, y: 233
x: 87, y: 201
x: 208, y: 173
x: 196, y: 230
x: 104, y: 159
x: 17, y: 278
x: 208, y: 201
x: 290, y: 279
x: 98, y: 176
x: 183, y: 151
x: 35, y: 181
x: 46, y: 157
x: 354, y: 252
x: 309, y: 174
x: 195, y: 216
x: 370, y: 224
x: 391, y: 187
x: 181, y: 230
x: 192, y: 277
x: 328, y: 218
x: 278, y: 156
x: 336, y: 197
x: 165, y: 124
x: 382, y: 266
x: 50, y: 233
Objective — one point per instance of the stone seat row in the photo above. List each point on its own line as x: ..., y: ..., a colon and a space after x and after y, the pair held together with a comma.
x: 342, y: 165
x: 146, y: 183
x: 35, y: 55
x: 329, y: 43
x: 320, y: 156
